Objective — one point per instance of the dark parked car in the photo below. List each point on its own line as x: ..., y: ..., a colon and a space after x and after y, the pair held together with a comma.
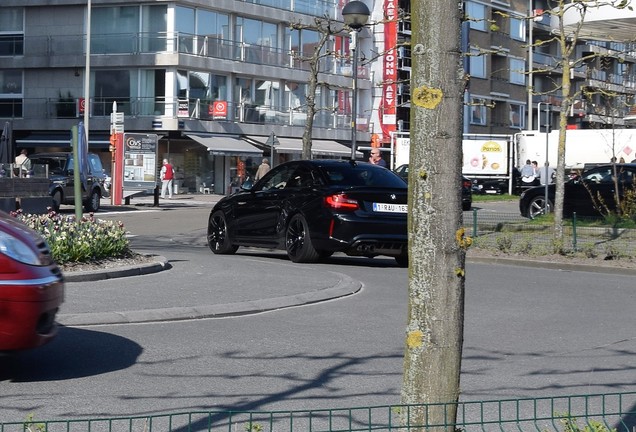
x: 313, y: 208
x: 585, y: 195
x: 31, y: 287
x: 467, y: 186
x: 501, y: 186
x: 62, y: 188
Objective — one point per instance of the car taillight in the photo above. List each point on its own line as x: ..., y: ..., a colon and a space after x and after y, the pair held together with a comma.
x: 341, y: 202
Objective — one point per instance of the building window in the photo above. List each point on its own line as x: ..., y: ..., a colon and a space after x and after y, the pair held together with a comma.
x: 10, y: 93
x: 110, y: 86
x: 517, y: 29
x: 517, y: 116
x: 258, y: 39
x: 111, y: 28
x: 517, y: 71
x: 476, y: 14
x: 153, y: 28
x: 477, y: 63
x: 204, y: 89
x: 313, y: 7
x: 185, y: 26
x: 10, y: 83
x: 478, y: 111
x: 11, y: 31
x: 213, y: 24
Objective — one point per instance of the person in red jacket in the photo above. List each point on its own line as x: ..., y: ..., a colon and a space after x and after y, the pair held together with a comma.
x: 167, y: 176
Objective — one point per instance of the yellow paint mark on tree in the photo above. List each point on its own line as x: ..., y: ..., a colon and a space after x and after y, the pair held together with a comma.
x: 426, y: 97
x: 463, y: 241
x: 414, y: 339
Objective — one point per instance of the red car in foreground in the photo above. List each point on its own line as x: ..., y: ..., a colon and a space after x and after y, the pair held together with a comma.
x: 31, y: 287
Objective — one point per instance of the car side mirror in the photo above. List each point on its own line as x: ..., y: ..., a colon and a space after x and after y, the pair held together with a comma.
x: 247, y: 184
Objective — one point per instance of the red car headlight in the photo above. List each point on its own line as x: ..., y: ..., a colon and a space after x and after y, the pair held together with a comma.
x: 16, y: 249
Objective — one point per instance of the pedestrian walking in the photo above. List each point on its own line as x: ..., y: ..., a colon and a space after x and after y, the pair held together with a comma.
x: 167, y: 177
x: 263, y: 169
x: 376, y: 159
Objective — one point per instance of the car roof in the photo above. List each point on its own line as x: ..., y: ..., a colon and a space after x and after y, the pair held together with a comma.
x: 326, y: 163
x: 609, y: 165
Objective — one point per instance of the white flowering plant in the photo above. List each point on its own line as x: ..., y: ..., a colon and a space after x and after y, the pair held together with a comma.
x: 71, y: 241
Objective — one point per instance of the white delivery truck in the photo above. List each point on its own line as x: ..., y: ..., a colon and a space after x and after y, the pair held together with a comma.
x: 583, y: 147
x: 488, y: 160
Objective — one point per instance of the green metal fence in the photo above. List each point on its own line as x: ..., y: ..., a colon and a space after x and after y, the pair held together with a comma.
x: 512, y: 233
x: 585, y: 413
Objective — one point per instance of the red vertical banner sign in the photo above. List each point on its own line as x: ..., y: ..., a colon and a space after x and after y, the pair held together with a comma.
x: 389, y: 77
x: 117, y: 176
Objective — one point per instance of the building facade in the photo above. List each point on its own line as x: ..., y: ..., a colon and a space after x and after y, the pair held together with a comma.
x: 213, y: 80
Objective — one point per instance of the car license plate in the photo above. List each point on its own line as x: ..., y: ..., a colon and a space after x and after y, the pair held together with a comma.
x: 390, y: 208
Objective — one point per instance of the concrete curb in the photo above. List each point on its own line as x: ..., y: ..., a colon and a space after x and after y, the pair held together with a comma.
x: 160, y: 264
x: 346, y: 286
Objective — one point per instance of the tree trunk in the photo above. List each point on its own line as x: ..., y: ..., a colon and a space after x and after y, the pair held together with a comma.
x: 434, y: 333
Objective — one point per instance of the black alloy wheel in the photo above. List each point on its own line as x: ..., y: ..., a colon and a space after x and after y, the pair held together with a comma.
x: 218, y: 240
x: 298, y: 243
x: 536, y: 206
x: 92, y: 205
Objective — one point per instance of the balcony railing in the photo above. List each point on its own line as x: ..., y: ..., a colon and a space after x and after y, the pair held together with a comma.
x: 183, y: 43
x: 196, y: 109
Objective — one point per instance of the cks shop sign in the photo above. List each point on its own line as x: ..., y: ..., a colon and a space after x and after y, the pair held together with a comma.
x: 389, y: 76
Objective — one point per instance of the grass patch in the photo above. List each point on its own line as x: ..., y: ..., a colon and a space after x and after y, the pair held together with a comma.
x: 588, y: 222
x: 494, y: 197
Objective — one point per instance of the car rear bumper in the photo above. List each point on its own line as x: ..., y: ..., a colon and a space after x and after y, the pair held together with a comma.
x: 365, y: 236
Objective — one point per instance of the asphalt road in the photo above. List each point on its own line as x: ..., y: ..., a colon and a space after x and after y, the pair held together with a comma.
x: 528, y: 333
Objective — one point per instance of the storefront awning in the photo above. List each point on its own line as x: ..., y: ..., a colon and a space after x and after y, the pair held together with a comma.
x: 226, y: 146
x: 318, y: 147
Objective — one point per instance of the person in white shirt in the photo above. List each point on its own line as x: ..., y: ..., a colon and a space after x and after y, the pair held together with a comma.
x: 546, y: 174
x: 23, y: 163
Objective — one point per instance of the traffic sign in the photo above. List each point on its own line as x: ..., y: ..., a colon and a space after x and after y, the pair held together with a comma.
x: 272, y: 140
x: 117, y: 117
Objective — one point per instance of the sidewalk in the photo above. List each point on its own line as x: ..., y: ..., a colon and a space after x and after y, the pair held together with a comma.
x: 177, y: 200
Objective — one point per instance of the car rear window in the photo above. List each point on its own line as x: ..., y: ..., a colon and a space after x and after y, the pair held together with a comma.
x: 55, y: 165
x: 362, y: 175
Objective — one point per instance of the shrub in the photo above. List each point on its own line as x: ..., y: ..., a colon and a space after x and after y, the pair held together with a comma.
x: 523, y: 246
x: 504, y: 242
x: 589, y: 250
x: 612, y: 252
x: 70, y: 241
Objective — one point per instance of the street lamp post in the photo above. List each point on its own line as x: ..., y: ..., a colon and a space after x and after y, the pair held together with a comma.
x: 355, y: 15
